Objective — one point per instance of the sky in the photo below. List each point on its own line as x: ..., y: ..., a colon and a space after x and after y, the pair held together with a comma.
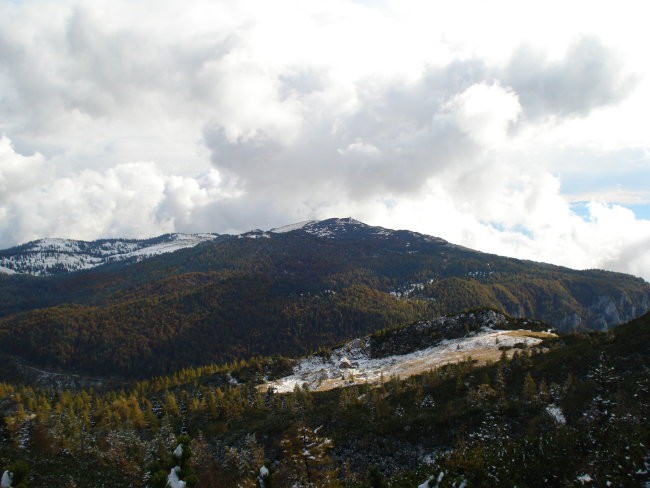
x: 515, y: 128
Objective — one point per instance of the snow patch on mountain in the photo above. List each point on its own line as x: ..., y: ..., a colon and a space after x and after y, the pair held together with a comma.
x: 332, y: 227
x: 255, y: 234
x: 179, y: 241
x: 292, y: 227
x: 51, y: 256
x: 324, y: 373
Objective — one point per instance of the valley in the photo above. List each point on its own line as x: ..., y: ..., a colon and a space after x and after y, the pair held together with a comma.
x: 323, y: 354
x: 564, y: 408
x: 312, y: 284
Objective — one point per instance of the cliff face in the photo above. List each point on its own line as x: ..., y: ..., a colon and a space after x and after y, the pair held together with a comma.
x: 428, y: 333
x: 567, y: 299
x: 609, y: 310
x: 599, y: 312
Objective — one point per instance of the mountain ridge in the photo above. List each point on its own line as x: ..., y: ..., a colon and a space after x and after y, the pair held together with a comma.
x: 131, y: 250
x: 313, y: 285
x: 48, y: 256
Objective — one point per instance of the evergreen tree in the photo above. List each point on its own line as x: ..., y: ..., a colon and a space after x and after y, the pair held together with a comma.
x: 174, y: 466
x: 376, y: 478
x: 305, y: 460
x: 529, y: 391
x: 544, y: 394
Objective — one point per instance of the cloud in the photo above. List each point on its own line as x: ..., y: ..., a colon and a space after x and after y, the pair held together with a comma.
x: 18, y: 172
x: 130, y: 199
x: 588, y: 77
x: 137, y: 119
x: 485, y: 112
x: 618, y: 238
x: 383, y: 147
x: 613, y: 195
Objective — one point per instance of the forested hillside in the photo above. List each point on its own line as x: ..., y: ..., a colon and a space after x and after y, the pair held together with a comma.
x: 285, y: 292
x: 228, y: 319
x: 575, y: 415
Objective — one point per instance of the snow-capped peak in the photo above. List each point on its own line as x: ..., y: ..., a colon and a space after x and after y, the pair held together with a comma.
x: 51, y: 255
x: 333, y: 227
x: 55, y: 256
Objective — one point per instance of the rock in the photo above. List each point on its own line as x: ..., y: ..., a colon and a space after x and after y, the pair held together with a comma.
x: 345, y: 363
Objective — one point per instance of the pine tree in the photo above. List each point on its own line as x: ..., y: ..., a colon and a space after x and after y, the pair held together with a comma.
x: 305, y: 460
x: 544, y: 395
x: 174, y: 462
x: 171, y: 405
x: 529, y: 391
x: 376, y: 478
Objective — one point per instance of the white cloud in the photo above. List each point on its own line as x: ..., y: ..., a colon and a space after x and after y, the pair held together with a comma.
x: 405, y: 114
x: 612, y: 195
x: 484, y: 112
x: 130, y: 199
x: 17, y: 172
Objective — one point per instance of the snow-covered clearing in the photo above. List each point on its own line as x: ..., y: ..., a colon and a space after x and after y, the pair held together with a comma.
x: 319, y: 373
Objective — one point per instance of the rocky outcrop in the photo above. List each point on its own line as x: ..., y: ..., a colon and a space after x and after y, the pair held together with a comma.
x: 607, y: 311
x: 429, y: 333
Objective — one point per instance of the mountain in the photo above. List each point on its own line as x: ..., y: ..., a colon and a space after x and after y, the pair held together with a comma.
x: 287, y: 291
x: 46, y: 257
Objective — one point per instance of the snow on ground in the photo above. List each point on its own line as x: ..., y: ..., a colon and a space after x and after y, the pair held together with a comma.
x: 45, y: 255
x: 54, y: 245
x: 178, y: 452
x: 332, y: 228
x: 291, y: 227
x: 179, y: 241
x: 585, y: 478
x: 413, y: 287
x: 40, y: 262
x: 426, y: 484
x: 319, y: 373
x: 7, y: 477
x: 256, y: 234
x: 173, y: 481
x: 557, y: 414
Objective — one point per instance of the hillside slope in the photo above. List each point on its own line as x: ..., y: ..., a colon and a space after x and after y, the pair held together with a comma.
x: 46, y: 257
x: 305, y: 286
x: 572, y: 412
